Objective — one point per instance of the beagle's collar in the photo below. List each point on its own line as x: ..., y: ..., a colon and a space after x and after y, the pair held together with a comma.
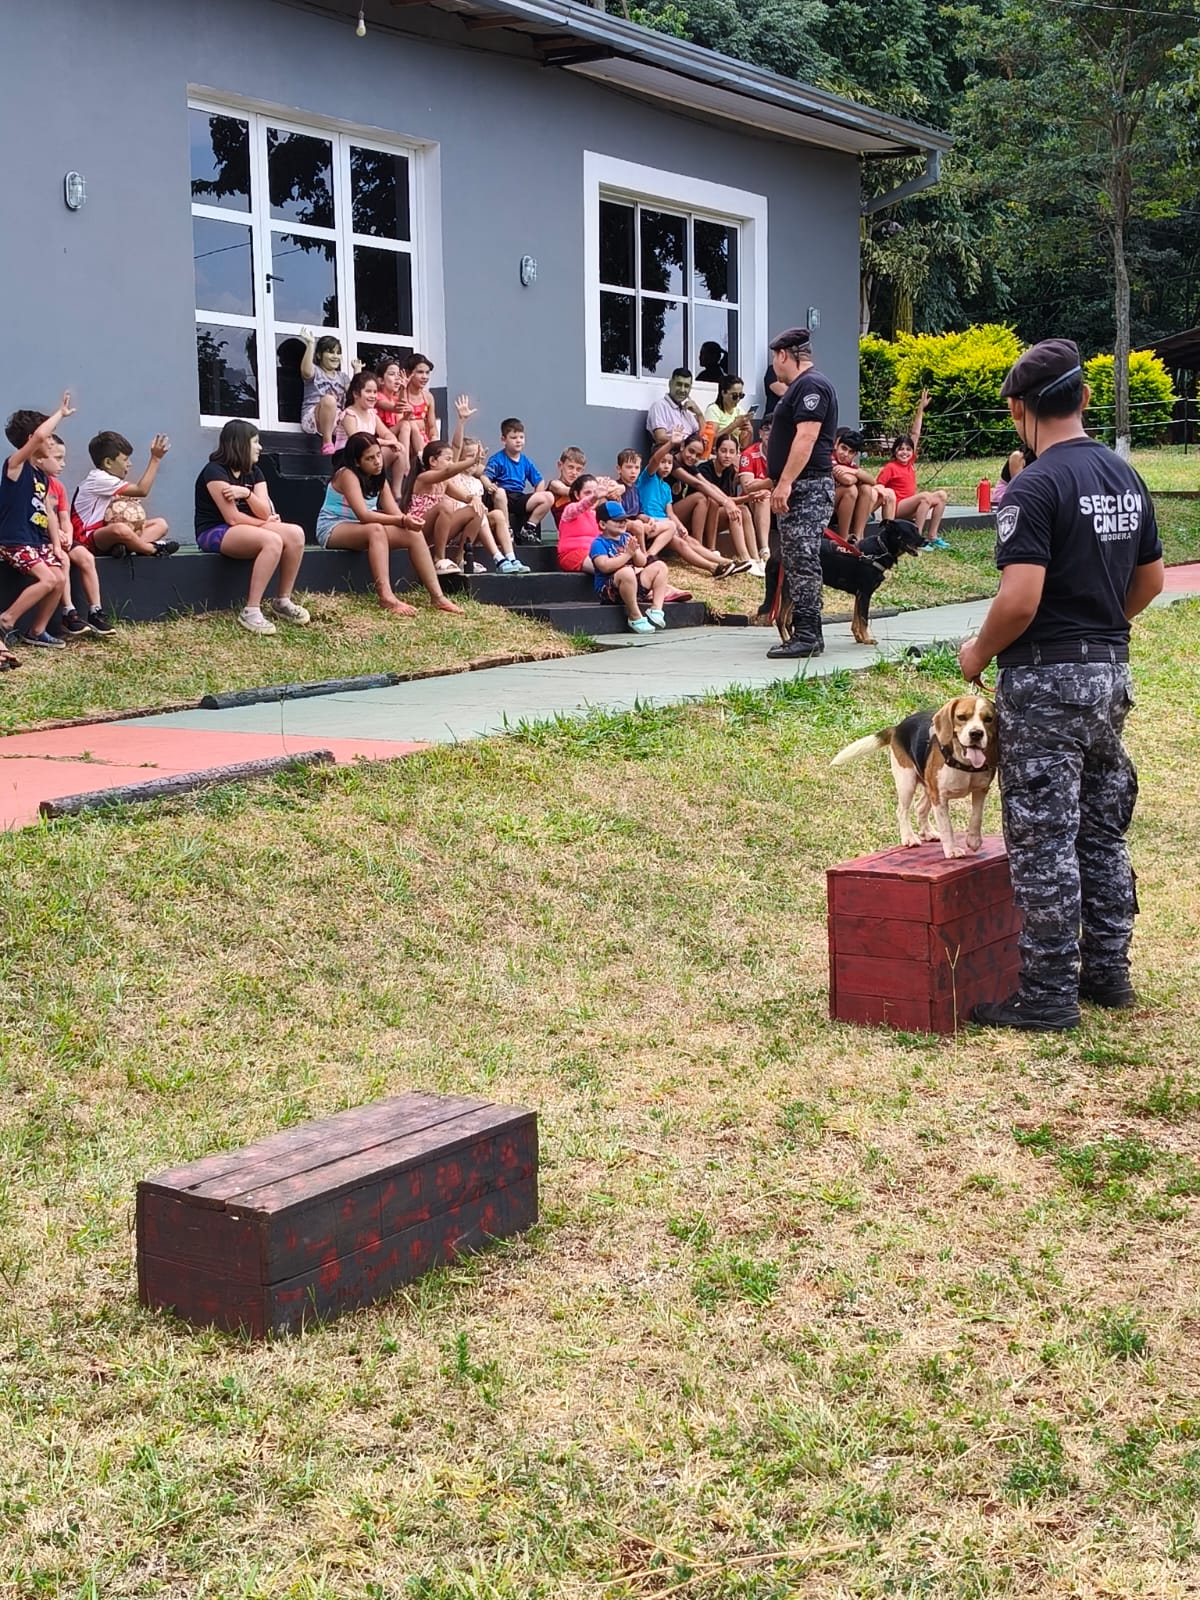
x: 952, y: 760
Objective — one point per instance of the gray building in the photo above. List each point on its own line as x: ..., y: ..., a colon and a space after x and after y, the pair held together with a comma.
x: 555, y: 205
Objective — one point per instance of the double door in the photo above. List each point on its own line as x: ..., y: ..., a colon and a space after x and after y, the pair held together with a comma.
x: 294, y: 228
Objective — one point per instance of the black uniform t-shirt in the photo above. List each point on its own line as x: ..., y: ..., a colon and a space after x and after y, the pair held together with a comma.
x: 809, y: 398
x: 207, y: 515
x: 1085, y: 515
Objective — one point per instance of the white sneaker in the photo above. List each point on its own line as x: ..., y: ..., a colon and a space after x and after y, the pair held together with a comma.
x: 287, y: 608
x: 758, y: 569
x: 252, y: 619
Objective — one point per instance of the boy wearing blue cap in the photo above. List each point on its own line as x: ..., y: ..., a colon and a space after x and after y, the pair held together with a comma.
x: 623, y: 575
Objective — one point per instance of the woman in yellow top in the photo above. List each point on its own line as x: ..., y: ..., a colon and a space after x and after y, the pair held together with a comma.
x: 727, y: 409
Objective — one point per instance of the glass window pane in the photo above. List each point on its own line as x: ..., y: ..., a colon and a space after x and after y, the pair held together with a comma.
x: 379, y: 191
x: 304, y: 287
x: 664, y: 337
x: 300, y: 176
x: 715, y: 325
x: 383, y: 290
x: 289, y: 385
x: 220, y: 160
x: 616, y: 244
x: 664, y: 252
x: 618, y: 352
x: 227, y: 367
x: 224, y: 266
x: 372, y: 354
x: 716, y: 274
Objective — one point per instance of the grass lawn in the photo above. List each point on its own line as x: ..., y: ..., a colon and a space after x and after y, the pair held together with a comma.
x: 1165, y: 467
x: 811, y: 1310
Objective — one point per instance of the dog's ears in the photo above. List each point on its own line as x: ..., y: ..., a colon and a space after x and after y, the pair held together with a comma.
x: 943, y: 723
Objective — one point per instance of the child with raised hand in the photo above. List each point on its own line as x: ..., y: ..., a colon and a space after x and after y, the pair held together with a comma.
x: 362, y: 416
x: 420, y: 401
x: 52, y: 461
x: 727, y: 507
x: 424, y: 497
x: 235, y: 519
x: 900, y: 473
x: 325, y: 385
x: 107, y: 514
x: 511, y: 469
x: 579, y: 528
x: 360, y: 513
x: 650, y: 492
x: 29, y: 537
x: 623, y: 576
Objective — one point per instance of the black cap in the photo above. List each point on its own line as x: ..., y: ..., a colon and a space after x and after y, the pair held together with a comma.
x: 1040, y: 367
x: 791, y: 339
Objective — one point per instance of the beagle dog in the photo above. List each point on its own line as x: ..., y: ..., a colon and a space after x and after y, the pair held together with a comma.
x: 938, y: 756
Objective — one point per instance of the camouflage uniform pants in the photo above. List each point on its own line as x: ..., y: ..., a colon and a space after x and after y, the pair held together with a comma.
x: 800, y: 528
x: 1068, y: 790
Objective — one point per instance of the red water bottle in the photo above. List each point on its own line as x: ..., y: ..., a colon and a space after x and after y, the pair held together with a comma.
x: 983, y: 495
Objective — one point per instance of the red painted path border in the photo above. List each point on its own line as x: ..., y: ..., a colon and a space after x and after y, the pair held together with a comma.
x: 63, y: 761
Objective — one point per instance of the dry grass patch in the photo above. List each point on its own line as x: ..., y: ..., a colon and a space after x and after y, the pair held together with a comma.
x: 811, y: 1309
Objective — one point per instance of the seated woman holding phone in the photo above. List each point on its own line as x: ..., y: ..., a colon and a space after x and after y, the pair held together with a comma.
x: 727, y: 410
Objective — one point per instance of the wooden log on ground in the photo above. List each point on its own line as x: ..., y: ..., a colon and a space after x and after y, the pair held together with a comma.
x: 178, y: 783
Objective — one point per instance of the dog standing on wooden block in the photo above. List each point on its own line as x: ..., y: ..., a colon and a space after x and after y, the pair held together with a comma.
x: 938, y: 756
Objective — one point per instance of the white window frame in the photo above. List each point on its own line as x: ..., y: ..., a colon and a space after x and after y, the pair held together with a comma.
x: 424, y: 249
x: 606, y: 177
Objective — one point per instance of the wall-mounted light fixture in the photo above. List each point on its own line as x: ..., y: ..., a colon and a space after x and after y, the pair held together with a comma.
x: 74, y: 191
x: 528, y: 271
x: 360, y: 26
x: 814, y: 318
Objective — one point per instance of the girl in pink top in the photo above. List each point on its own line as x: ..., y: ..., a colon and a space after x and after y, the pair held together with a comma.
x: 362, y: 416
x: 578, y: 528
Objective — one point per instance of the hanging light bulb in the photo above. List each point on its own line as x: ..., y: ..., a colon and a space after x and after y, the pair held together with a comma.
x: 361, y: 26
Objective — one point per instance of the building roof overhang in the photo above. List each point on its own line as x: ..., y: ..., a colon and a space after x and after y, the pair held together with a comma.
x: 585, y: 40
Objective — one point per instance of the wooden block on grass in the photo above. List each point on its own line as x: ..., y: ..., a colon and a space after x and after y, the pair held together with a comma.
x: 333, y: 1214
x: 916, y: 940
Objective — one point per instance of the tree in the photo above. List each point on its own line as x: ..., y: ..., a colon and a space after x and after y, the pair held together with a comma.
x: 1068, y: 115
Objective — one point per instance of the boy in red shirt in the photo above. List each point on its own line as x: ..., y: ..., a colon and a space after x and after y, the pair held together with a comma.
x: 52, y: 460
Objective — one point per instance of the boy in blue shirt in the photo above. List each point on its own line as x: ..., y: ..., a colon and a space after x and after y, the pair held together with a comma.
x: 647, y: 496
x: 623, y: 575
x: 29, y: 534
x: 510, y: 469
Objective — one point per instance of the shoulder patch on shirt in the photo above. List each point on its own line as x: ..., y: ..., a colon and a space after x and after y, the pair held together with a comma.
x: 1007, y: 518
x: 811, y: 402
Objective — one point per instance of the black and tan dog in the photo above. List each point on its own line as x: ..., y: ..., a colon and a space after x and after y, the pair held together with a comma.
x: 938, y: 756
x: 857, y: 570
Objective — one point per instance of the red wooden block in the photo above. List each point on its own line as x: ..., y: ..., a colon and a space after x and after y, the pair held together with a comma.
x: 358, y: 1201
x: 915, y: 940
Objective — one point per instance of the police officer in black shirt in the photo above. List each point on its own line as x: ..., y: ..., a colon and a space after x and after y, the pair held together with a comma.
x: 800, y: 461
x: 1079, y: 556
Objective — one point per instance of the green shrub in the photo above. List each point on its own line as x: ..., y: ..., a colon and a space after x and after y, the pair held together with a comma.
x: 963, y: 373
x: 876, y: 380
x: 1151, y: 397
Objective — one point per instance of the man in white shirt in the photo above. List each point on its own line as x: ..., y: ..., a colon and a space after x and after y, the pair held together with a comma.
x: 676, y: 415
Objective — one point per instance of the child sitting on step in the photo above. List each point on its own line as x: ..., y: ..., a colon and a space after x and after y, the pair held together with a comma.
x: 360, y: 513
x: 623, y: 576
x: 325, y: 385
x: 107, y: 514
x: 52, y: 460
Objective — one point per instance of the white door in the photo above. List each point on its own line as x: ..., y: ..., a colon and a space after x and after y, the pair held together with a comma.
x: 294, y: 226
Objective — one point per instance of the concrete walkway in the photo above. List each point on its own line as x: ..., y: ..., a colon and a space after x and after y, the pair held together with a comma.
x: 383, y: 724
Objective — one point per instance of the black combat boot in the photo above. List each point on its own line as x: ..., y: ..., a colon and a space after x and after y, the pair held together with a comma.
x: 1034, y: 1016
